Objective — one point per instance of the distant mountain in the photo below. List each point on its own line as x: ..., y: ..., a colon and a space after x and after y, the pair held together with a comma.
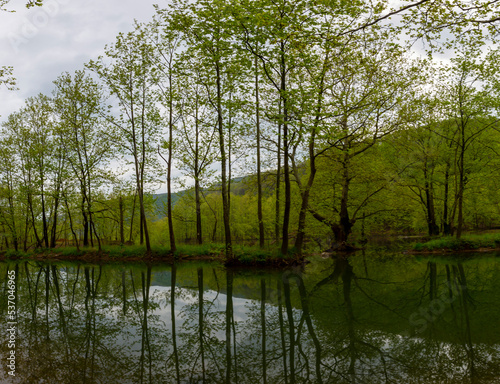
x: 161, y: 202
x: 239, y: 186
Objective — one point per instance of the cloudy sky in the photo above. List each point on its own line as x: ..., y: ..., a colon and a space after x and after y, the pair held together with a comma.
x: 41, y: 43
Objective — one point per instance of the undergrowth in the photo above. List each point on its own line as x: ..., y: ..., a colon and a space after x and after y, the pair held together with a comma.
x: 464, y: 243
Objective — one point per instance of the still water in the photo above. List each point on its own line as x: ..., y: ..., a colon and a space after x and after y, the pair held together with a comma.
x: 371, y: 318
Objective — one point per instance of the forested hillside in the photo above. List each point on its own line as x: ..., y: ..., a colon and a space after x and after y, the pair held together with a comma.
x: 286, y: 124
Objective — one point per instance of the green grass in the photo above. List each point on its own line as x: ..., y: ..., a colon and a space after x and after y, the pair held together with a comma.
x: 70, y: 251
x: 124, y: 251
x: 12, y: 254
x: 246, y: 255
x: 243, y: 254
x: 464, y: 243
x: 196, y: 250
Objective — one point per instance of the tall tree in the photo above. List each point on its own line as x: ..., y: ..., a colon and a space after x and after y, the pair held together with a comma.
x: 368, y: 100
x: 471, y: 103
x: 206, y: 26
x: 279, y: 25
x: 77, y: 102
x: 166, y: 43
x: 197, y: 149
x: 127, y: 73
x: 8, y: 216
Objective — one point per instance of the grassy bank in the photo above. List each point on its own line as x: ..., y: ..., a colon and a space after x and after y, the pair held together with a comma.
x: 243, y: 255
x: 466, y: 243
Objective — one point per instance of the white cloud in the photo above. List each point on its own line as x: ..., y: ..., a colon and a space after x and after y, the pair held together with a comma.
x: 41, y: 43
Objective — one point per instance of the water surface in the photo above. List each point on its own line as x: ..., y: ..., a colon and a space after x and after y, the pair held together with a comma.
x: 371, y: 318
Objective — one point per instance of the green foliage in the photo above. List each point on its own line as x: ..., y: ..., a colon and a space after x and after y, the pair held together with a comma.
x: 13, y: 254
x: 210, y: 249
x: 466, y: 242
x: 254, y: 255
x: 70, y: 251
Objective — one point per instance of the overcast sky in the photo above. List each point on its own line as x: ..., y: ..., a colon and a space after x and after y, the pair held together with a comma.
x: 63, y: 35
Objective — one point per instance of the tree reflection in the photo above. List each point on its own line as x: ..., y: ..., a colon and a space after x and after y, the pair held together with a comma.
x: 182, y: 324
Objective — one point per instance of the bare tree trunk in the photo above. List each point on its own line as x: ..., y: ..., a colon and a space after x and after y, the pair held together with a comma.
x: 259, y: 176
x: 199, y: 233
x: 345, y: 224
x: 121, y: 209
x: 278, y: 186
x: 429, y: 202
x: 461, y: 186
x: 71, y: 225
x: 225, y: 196
x: 169, y: 164
x: 286, y: 168
x: 44, y: 219
x: 132, y: 217
x: 446, y: 219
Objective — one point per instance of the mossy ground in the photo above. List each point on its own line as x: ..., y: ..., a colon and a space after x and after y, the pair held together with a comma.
x: 242, y: 255
x: 465, y: 243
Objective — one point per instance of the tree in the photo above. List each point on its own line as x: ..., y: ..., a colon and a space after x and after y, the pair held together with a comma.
x: 369, y: 97
x: 129, y: 80
x: 197, y: 134
x: 42, y: 165
x: 8, y: 209
x: 29, y: 4
x: 271, y: 32
x: 77, y: 102
x: 470, y: 105
x: 6, y: 77
x: 206, y: 26
x: 421, y: 155
x: 166, y: 43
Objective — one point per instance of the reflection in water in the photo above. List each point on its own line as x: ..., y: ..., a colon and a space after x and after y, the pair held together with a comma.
x: 339, y: 321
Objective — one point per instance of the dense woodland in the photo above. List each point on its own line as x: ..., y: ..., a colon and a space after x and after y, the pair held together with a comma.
x: 340, y: 127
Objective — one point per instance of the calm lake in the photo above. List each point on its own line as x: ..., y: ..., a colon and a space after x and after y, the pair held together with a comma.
x: 372, y: 318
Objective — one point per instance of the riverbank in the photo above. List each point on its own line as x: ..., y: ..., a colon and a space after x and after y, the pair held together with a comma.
x: 243, y: 255
x: 467, y: 243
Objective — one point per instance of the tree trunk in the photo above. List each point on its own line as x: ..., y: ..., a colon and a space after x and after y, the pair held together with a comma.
x: 122, y: 232
x: 169, y: 166
x: 132, y: 217
x: 199, y: 233
x: 143, y: 220
x: 299, y: 242
x: 225, y: 197
x: 345, y: 224
x: 85, y: 223
x: 286, y: 170
x: 429, y: 203
x: 44, y: 219
x: 278, y: 186
x: 259, y: 176
x: 75, y: 237
x: 305, y: 192
x: 35, y: 232
x: 15, y: 240
x: 446, y: 220
x: 461, y: 181
x: 53, y: 233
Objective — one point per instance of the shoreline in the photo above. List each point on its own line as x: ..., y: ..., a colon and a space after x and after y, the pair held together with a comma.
x: 445, y: 251
x: 93, y: 256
